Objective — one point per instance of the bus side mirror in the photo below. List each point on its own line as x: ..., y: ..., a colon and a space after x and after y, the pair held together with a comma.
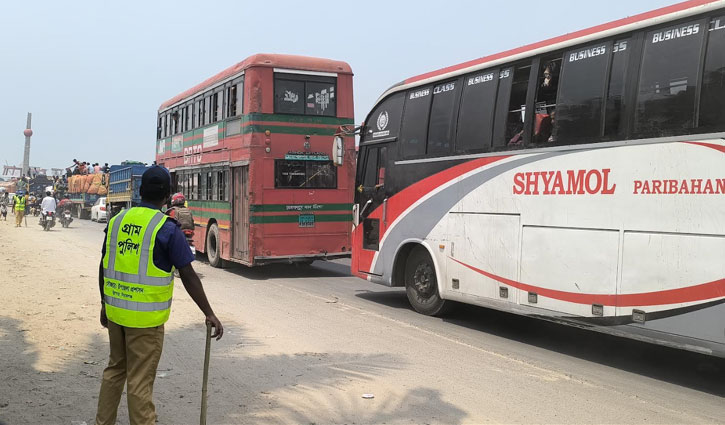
x: 338, y: 150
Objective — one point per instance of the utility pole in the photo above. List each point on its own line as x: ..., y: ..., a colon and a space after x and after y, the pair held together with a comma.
x: 26, y: 156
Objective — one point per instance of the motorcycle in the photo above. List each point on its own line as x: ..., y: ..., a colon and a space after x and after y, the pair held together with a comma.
x: 35, y: 210
x: 190, y: 240
x: 65, y: 218
x: 48, y: 220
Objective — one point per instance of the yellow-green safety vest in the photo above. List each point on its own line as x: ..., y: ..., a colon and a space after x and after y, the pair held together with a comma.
x: 19, y: 203
x: 137, y: 294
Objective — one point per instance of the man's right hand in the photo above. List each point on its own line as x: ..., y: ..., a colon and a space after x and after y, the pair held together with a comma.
x: 104, y: 319
x: 217, y: 325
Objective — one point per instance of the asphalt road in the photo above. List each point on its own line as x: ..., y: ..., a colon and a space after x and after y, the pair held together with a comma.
x: 303, y: 344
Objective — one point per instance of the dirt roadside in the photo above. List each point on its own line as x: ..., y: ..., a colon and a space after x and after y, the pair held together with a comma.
x: 52, y: 348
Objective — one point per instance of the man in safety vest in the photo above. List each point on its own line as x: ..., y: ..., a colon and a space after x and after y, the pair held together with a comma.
x: 136, y: 279
x: 19, y: 203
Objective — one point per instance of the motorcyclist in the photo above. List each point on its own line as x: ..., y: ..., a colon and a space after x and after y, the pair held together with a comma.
x: 181, y: 214
x: 65, y: 203
x: 48, y: 205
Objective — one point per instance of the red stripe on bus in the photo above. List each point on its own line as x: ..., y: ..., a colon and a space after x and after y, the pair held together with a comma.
x: 571, y: 36
x: 720, y: 148
x: 702, y: 292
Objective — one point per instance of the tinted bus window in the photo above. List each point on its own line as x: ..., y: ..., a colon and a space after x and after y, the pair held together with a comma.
x: 415, y: 121
x: 475, y: 119
x: 289, y: 97
x: 505, y: 82
x: 712, y: 98
x: 579, y: 105
x: 443, y: 114
x: 668, y: 80
x: 614, y: 124
x: 320, y: 99
x: 385, y: 119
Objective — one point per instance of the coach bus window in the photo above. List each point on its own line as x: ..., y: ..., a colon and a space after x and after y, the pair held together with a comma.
x: 501, y: 108
x: 546, y: 101
x: 475, y: 119
x: 384, y: 121
x: 614, y: 119
x: 517, y: 107
x: 443, y: 113
x: 668, y: 81
x: 289, y: 97
x: 579, y: 105
x: 414, y: 128
x: 320, y: 99
x: 712, y: 99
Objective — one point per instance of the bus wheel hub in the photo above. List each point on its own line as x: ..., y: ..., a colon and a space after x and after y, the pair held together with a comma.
x: 423, y: 279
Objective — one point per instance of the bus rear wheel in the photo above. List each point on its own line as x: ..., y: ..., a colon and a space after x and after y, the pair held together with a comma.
x: 212, y: 246
x: 421, y: 284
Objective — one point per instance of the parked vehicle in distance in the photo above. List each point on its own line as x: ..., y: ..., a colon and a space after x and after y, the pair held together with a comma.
x: 124, y: 184
x: 577, y: 180
x: 98, y: 210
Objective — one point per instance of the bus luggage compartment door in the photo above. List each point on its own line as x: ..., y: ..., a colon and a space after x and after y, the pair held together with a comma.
x: 240, y: 206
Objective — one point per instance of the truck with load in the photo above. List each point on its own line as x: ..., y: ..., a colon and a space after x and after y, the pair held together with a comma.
x: 84, y: 191
x: 124, y: 184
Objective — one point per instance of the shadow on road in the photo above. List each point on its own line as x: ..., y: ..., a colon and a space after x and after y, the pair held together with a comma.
x: 303, y: 387
x: 277, y: 271
x: 680, y: 367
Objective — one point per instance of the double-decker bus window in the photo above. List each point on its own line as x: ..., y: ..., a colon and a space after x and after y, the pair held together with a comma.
x: 546, y: 99
x: 202, y: 112
x: 189, y: 116
x: 158, y: 128
x: 307, y: 174
x: 222, y: 185
x: 414, y: 128
x: 668, y: 80
x: 234, y: 98
x: 578, y: 113
x: 614, y: 125
x: 195, y: 123
x: 443, y: 113
x: 712, y: 98
x: 475, y: 119
x: 320, y: 99
x: 215, y: 107
x: 289, y: 97
x: 385, y: 119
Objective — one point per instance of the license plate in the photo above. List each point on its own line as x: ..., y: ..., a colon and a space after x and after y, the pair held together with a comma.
x: 307, y: 220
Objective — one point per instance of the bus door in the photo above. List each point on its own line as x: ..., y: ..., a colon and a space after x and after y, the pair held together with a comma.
x: 240, y: 213
x: 372, y: 198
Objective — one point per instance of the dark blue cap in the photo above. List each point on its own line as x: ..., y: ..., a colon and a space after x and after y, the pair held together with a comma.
x: 155, y: 182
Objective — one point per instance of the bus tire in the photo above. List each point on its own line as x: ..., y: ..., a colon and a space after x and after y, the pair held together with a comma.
x: 212, y: 246
x: 421, y: 284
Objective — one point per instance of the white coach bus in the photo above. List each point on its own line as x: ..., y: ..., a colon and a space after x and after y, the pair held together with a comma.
x: 580, y: 179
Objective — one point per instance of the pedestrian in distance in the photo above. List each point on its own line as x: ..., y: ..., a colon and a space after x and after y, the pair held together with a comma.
x: 4, y: 206
x: 19, y: 203
x: 136, y: 294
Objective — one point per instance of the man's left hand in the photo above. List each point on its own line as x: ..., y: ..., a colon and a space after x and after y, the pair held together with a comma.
x: 104, y: 319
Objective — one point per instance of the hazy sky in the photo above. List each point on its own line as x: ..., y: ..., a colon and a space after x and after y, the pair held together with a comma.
x: 94, y: 73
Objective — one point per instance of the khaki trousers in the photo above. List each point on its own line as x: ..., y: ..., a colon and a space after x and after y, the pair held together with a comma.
x: 19, y: 217
x: 135, y: 355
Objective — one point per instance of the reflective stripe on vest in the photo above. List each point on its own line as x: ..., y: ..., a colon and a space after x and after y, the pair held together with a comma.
x: 136, y: 292
x: 19, y: 203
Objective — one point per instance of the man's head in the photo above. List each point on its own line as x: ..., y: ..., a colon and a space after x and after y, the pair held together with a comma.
x: 47, y: 193
x: 155, y: 185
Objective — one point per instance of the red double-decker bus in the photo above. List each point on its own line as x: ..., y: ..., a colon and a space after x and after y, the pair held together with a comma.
x: 251, y: 148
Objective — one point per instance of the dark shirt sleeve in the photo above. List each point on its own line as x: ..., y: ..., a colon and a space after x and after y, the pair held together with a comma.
x: 171, y: 247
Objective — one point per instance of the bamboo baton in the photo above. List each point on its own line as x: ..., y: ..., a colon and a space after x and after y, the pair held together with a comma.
x: 205, y: 380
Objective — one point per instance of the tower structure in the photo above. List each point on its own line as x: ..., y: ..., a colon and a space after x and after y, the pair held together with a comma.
x: 26, y: 156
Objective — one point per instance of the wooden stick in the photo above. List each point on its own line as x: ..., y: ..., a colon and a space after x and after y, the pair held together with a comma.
x: 202, y: 418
